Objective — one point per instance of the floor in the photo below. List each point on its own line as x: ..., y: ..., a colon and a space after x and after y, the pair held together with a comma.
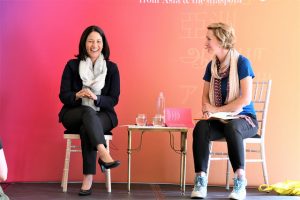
x: 53, y: 191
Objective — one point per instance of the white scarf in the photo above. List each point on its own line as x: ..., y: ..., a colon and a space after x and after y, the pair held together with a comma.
x: 234, y: 86
x: 93, y: 77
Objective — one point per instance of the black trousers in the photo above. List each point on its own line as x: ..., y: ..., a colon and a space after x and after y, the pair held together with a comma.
x: 91, y: 125
x: 234, y: 132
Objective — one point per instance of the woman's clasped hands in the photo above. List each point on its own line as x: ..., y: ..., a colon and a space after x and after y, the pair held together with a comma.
x: 207, y: 110
x: 86, y: 93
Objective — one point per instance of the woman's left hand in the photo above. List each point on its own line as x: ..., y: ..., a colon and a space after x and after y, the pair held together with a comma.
x: 207, y: 107
x: 90, y: 94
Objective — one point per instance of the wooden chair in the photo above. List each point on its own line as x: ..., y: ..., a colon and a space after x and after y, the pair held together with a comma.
x: 72, y: 148
x: 260, y: 98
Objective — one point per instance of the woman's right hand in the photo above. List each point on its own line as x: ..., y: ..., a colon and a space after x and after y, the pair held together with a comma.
x: 83, y: 93
x: 206, y: 115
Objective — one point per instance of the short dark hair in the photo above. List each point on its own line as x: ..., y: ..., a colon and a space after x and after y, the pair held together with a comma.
x: 82, y: 49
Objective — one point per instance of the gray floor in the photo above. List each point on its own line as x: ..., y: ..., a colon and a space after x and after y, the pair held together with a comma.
x: 53, y: 191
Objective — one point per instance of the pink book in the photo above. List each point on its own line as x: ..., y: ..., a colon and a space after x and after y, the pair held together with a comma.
x: 178, y: 117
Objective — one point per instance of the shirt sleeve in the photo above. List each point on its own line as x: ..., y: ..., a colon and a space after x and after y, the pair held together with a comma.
x: 244, y: 68
x: 207, y: 75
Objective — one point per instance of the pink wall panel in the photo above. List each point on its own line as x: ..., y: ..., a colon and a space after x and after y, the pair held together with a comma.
x: 158, y: 47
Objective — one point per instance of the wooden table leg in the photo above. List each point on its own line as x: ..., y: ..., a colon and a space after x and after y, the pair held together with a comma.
x: 129, y: 158
x: 183, y: 161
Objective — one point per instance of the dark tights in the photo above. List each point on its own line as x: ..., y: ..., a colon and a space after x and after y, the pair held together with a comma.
x: 234, y: 132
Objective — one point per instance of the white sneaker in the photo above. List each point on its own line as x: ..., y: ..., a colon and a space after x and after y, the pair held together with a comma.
x: 239, y: 189
x: 200, y: 188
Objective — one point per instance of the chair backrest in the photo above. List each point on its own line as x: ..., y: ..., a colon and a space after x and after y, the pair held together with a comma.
x: 260, y: 97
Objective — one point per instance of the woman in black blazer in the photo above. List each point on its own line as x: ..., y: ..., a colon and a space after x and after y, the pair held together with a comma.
x: 90, y: 88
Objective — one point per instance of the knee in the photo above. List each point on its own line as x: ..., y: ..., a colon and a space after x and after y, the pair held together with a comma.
x: 88, y: 110
x: 229, y: 127
x: 201, y: 129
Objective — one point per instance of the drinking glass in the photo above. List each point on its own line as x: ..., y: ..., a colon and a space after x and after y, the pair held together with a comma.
x: 158, y: 120
x: 141, y: 120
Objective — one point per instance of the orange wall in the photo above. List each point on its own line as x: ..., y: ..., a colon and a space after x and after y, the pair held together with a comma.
x: 158, y: 47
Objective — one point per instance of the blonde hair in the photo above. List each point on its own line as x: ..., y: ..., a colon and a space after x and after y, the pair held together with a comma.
x: 224, y: 33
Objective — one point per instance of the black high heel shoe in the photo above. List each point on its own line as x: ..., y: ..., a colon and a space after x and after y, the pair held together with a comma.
x: 104, y: 166
x: 85, y: 192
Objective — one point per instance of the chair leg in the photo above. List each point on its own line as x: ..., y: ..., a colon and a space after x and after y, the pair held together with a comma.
x: 107, y: 172
x: 245, y: 151
x: 108, y: 180
x: 264, y: 164
x: 64, y: 182
x: 208, y: 164
x: 227, y: 175
x: 245, y: 157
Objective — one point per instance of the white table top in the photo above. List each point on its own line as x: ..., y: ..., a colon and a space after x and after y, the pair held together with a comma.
x: 156, y: 128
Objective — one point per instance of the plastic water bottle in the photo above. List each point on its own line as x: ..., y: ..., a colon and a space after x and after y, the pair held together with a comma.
x: 160, y: 107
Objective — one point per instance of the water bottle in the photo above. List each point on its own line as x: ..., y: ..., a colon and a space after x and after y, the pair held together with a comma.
x: 160, y: 109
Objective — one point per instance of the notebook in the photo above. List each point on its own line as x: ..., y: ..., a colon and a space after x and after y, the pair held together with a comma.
x: 178, y: 117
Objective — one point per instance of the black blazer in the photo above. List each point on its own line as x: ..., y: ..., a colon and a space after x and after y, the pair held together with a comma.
x: 71, y: 83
